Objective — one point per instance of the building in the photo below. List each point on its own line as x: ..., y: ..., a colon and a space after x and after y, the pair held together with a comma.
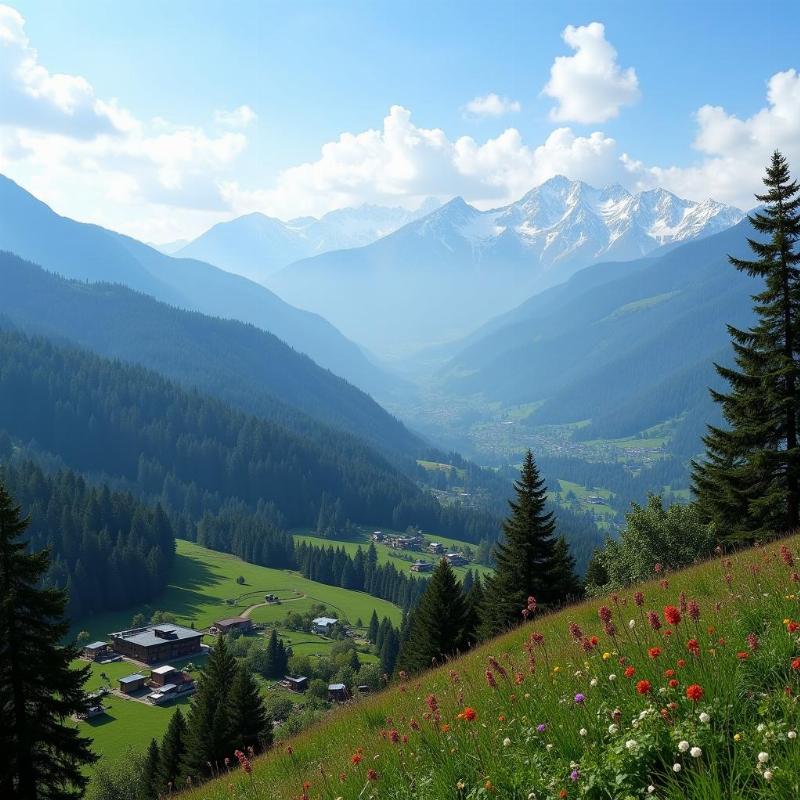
x: 241, y: 624
x: 157, y: 643
x: 377, y: 536
x: 94, y: 706
x: 436, y: 548
x: 131, y: 683
x: 298, y: 684
x: 97, y: 651
x: 323, y: 625
x: 456, y: 560
x: 161, y: 676
x: 422, y: 566
x: 337, y: 693
x: 168, y: 683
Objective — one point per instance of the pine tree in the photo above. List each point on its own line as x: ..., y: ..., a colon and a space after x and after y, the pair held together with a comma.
x: 749, y: 482
x: 372, y: 632
x: 149, y: 786
x: 389, y: 651
x: 474, y: 600
x: 171, y: 754
x: 209, y: 731
x: 563, y: 574
x: 526, y: 561
x: 437, y: 628
x: 43, y: 754
x: 276, y: 661
x: 250, y: 724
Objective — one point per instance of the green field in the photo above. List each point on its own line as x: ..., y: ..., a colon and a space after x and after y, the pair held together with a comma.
x: 600, y: 510
x: 204, y: 581
x: 402, y: 559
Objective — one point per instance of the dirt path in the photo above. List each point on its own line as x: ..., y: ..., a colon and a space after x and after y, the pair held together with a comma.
x: 248, y: 611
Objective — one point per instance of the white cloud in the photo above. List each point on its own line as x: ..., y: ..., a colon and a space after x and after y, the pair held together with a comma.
x: 492, y: 105
x: 240, y: 117
x: 62, y: 141
x: 736, y: 150
x: 404, y: 163
x: 590, y: 86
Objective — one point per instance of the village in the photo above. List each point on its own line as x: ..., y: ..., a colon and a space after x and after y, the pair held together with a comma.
x: 417, y: 543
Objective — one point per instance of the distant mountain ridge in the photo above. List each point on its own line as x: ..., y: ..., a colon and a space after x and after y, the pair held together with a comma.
x: 439, y: 277
x: 33, y: 231
x: 256, y: 246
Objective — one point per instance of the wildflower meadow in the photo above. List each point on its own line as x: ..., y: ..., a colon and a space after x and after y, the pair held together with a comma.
x: 684, y: 687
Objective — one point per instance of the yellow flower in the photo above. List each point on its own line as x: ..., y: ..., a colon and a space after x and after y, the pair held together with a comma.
x: 556, y: 669
x: 606, y: 656
x: 786, y: 621
x: 737, y: 737
x: 460, y: 785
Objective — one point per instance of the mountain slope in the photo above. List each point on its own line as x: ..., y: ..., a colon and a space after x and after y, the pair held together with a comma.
x: 33, y: 231
x: 437, y: 278
x: 588, y: 348
x: 256, y: 245
x: 238, y: 363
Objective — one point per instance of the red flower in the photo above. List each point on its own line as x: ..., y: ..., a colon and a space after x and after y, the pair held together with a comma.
x: 629, y: 671
x: 356, y: 758
x: 694, y: 692
x: 643, y: 687
x: 752, y: 641
x: 575, y: 631
x: 638, y: 598
x: 792, y: 627
x: 490, y: 678
x: 743, y: 655
x: 394, y: 736
x: 693, y: 646
x: 468, y: 714
x: 796, y: 664
x: 694, y: 610
x: 604, y: 612
x: 372, y: 775
x: 672, y: 615
x: 673, y: 684
x: 654, y: 652
x: 681, y: 663
x: 653, y: 620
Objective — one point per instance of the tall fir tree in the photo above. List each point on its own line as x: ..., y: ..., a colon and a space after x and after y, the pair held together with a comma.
x: 438, y: 625
x: 171, y: 755
x: 150, y: 786
x: 749, y: 482
x: 527, y: 560
x: 390, y: 649
x: 43, y: 754
x: 209, y: 738
x: 276, y: 661
x: 372, y: 632
x: 250, y: 724
x: 475, y: 599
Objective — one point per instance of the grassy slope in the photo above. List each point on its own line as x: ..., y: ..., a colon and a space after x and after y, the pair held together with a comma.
x: 203, y: 580
x: 433, y: 763
x: 401, y: 559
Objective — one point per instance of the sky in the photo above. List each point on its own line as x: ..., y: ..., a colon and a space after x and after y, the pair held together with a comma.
x: 159, y: 119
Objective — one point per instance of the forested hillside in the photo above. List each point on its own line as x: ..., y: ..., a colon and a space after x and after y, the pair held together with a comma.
x: 195, y: 454
x: 241, y: 364
x: 107, y: 548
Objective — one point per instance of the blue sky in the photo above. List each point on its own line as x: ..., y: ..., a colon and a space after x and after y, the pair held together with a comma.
x: 175, y: 160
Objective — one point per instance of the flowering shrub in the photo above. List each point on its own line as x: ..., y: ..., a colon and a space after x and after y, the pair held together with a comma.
x: 698, y: 699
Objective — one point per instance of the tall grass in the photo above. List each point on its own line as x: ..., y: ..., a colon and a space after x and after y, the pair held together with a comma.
x: 616, y: 699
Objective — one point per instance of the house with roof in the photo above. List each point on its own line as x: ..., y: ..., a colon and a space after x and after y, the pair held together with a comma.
x: 422, y: 566
x: 240, y: 624
x: 456, y: 559
x: 296, y: 684
x: 156, y: 643
x: 337, y: 693
x: 132, y: 683
x: 96, y: 651
x: 323, y: 625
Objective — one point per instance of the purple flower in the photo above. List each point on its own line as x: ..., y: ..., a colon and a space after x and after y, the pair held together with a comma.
x: 541, y: 727
x: 575, y: 774
x: 579, y: 698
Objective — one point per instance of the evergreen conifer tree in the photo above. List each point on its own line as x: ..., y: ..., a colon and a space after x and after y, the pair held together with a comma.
x: 474, y: 600
x: 250, y: 724
x: 149, y: 786
x: 749, y: 482
x: 209, y: 738
x: 438, y: 624
x: 42, y: 754
x: 170, y: 755
x: 389, y: 651
x: 372, y: 632
x: 526, y: 560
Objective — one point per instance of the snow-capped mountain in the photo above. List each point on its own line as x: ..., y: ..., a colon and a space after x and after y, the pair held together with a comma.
x: 256, y: 245
x: 441, y: 276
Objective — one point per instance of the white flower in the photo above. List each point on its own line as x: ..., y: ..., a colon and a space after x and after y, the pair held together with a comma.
x: 695, y: 752
x: 635, y: 723
x: 676, y: 767
x: 768, y: 775
x: 612, y: 677
x: 612, y: 729
x: 705, y: 718
x: 593, y: 682
x: 642, y: 714
x: 683, y: 746
x: 761, y: 727
x: 651, y: 789
x: 791, y: 735
x: 632, y: 624
x: 548, y: 747
x: 632, y: 745
x: 583, y: 731
x: 763, y: 757
x: 531, y: 796
x: 506, y: 742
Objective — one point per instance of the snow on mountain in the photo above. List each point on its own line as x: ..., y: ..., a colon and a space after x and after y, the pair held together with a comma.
x: 440, y: 276
x: 257, y: 246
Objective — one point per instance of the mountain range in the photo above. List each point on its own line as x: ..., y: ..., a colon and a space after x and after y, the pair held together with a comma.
x: 256, y: 246
x: 441, y: 276
x: 33, y: 231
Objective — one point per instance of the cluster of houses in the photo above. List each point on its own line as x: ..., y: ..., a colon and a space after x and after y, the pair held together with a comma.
x: 400, y: 541
x: 453, y: 559
x: 165, y: 683
x: 337, y: 692
x: 418, y: 543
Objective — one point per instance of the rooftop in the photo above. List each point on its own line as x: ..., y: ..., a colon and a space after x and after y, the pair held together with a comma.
x: 336, y: 687
x: 149, y: 636
x: 231, y: 620
x: 132, y: 678
x: 325, y: 621
x: 95, y: 645
x: 165, y: 670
